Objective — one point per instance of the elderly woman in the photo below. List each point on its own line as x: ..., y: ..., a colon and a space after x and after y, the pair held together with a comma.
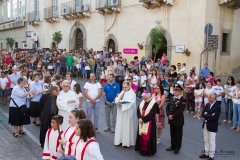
x: 37, y: 88
x: 19, y: 98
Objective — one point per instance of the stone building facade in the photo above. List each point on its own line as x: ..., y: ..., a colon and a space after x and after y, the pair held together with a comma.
x: 121, y: 24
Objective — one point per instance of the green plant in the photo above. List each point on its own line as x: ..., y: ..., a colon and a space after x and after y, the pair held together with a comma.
x: 186, y: 50
x: 10, y: 41
x: 57, y: 37
x: 157, y: 35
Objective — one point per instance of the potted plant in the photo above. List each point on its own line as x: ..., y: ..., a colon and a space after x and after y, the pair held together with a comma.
x: 187, y: 52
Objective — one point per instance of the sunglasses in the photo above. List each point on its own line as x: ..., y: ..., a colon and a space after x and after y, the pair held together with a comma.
x: 129, y: 79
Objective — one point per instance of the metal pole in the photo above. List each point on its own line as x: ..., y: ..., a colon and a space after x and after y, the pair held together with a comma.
x: 215, y: 59
x: 207, y: 43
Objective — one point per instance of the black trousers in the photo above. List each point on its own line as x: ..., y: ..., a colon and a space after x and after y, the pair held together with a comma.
x: 63, y: 71
x: 176, y: 133
x: 190, y: 101
x: 43, y: 130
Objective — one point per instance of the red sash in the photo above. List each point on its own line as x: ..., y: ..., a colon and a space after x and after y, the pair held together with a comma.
x: 49, y: 131
x: 84, y: 148
x: 70, y: 140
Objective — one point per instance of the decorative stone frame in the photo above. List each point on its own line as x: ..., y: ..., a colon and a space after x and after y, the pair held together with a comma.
x: 109, y: 37
x: 72, y: 35
x: 148, y: 46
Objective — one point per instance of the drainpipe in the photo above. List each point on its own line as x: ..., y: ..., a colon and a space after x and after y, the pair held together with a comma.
x: 201, y: 58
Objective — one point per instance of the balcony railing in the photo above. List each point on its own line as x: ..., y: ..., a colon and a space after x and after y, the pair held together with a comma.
x: 51, y: 12
x: 67, y: 8
x: 33, y: 16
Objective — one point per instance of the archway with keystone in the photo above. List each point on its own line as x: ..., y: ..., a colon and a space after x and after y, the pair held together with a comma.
x: 109, y: 38
x: 73, y: 33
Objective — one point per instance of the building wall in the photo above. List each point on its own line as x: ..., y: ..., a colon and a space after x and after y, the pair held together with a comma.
x: 184, y: 22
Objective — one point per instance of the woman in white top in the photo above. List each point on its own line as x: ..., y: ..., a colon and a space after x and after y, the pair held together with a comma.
x: 78, y: 93
x: 236, y: 106
x: 153, y: 81
x: 228, y: 99
x: 86, y: 147
x: 198, y: 94
x: 110, y: 68
x: 128, y: 73
x: 207, y: 92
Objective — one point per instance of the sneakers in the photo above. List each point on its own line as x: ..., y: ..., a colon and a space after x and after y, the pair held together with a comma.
x: 113, y: 130
x: 106, y: 129
x: 96, y: 130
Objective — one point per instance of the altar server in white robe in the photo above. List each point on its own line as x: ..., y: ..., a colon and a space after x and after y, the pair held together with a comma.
x: 66, y: 102
x: 126, y: 125
x: 51, y: 144
x: 86, y: 147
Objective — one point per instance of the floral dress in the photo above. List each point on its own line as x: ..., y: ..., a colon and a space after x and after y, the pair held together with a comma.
x: 160, y: 118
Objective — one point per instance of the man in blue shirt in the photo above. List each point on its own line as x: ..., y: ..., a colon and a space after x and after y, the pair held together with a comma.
x: 204, y: 72
x: 110, y: 92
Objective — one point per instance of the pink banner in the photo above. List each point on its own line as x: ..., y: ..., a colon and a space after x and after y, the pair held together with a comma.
x: 130, y: 51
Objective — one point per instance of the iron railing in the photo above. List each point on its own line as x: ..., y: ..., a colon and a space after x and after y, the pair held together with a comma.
x: 33, y: 16
x: 51, y: 12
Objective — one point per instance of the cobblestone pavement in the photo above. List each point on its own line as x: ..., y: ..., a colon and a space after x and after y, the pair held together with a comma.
x: 12, y: 148
x: 26, y: 148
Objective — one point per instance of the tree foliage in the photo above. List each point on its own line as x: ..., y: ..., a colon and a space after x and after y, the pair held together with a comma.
x: 157, y: 35
x: 57, y: 37
x: 10, y: 41
x: 234, y: 4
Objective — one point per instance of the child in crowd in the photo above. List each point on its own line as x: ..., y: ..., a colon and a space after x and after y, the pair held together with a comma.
x: 218, y: 89
x: 128, y: 73
x: 78, y: 93
x: 50, y: 150
x: 103, y: 78
x: 135, y: 80
x: 172, y: 86
x: 153, y: 81
x: 142, y: 84
x: 69, y: 136
x: 86, y: 146
x: 98, y: 70
x: 198, y: 94
x: 166, y: 86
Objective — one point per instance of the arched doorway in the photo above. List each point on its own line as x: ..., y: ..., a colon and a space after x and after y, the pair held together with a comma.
x: 79, y: 39
x: 162, y: 50
x: 78, y: 30
x: 111, y: 46
x: 168, y: 49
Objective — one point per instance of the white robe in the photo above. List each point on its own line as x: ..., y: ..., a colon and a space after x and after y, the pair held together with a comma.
x: 92, y: 151
x: 71, y: 138
x: 50, y: 150
x: 126, y: 125
x: 64, y: 107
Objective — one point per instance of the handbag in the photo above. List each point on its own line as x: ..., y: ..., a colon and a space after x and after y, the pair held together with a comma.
x: 50, y: 67
x: 87, y: 68
x: 22, y: 108
x: 78, y: 66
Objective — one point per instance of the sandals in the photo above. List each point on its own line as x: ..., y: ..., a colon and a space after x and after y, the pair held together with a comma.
x: 238, y: 130
x: 38, y: 124
x: 158, y: 141
x: 229, y: 122
x: 22, y: 132
x: 15, y: 134
x: 232, y: 128
x: 224, y: 121
x: 34, y: 122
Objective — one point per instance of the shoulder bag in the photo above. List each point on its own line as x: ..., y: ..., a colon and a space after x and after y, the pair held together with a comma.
x: 22, y: 108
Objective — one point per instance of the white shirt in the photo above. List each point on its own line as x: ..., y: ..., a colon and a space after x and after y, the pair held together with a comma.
x: 207, y: 91
x: 217, y: 90
x: 92, y: 89
x: 103, y: 74
x: 229, y: 89
x: 143, y: 78
x: 153, y: 80
x: 198, y: 92
x: 182, y: 70
x: 236, y: 100
x: 77, y: 98
x: 134, y: 79
x: 3, y: 82
x: 72, y: 83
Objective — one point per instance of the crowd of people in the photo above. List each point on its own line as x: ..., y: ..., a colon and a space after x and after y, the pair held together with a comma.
x: 33, y: 81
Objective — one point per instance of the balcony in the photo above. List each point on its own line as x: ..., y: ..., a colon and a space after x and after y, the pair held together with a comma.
x: 67, y: 10
x: 33, y: 18
x: 235, y: 4
x: 108, y: 6
x: 51, y: 14
x: 157, y: 3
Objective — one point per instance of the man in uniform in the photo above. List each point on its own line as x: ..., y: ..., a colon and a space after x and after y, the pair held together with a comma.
x: 174, y: 110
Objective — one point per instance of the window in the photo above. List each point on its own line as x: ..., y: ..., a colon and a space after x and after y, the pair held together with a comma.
x: 226, y: 42
x: 16, y: 44
x: 2, y: 11
x: 22, y: 8
x: 14, y: 9
x: 9, y: 13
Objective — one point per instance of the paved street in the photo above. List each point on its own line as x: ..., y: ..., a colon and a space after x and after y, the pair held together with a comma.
x: 227, y: 141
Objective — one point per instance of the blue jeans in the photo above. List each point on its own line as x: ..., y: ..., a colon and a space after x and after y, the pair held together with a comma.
x: 95, y: 109
x: 69, y: 68
x: 92, y: 69
x: 228, y: 108
x: 236, y: 114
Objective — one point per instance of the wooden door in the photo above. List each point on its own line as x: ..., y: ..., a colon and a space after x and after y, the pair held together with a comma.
x: 111, y: 46
x: 79, y: 39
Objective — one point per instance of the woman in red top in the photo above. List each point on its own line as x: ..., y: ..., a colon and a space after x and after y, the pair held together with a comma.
x: 164, y: 59
x: 160, y: 99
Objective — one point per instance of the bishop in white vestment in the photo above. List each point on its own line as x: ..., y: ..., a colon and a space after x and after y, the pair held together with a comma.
x: 126, y: 125
x: 66, y: 102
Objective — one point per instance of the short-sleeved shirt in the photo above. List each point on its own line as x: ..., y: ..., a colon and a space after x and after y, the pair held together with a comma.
x: 143, y: 78
x: 14, y: 78
x: 92, y: 89
x: 69, y: 60
x: 3, y: 82
x: 37, y: 87
x: 16, y: 95
x: 204, y: 72
x: 111, y: 91
x: 217, y: 90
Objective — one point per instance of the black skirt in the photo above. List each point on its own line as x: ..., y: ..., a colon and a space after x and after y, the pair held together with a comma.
x: 35, y: 110
x: 15, y: 118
